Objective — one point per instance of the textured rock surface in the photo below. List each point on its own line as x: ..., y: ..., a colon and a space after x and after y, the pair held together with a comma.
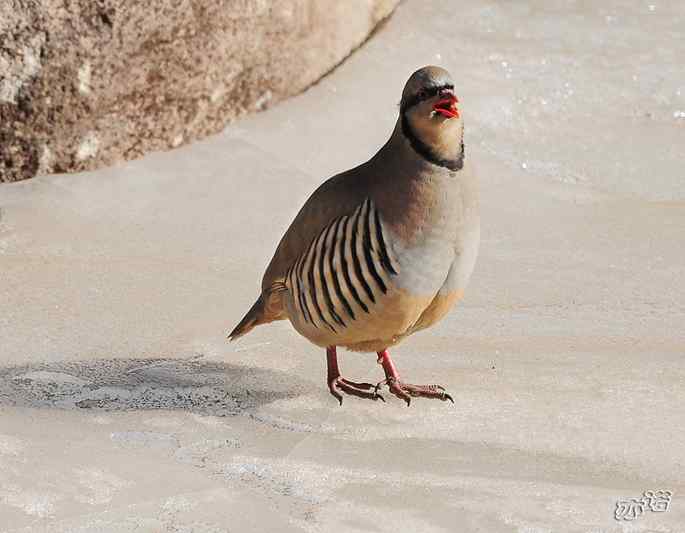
x: 87, y: 83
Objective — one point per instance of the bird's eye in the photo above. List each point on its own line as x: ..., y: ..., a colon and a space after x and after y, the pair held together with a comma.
x: 422, y: 94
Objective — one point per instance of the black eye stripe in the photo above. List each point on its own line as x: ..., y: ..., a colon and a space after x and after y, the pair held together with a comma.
x: 424, y: 94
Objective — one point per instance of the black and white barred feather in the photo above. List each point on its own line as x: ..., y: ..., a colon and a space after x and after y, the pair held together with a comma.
x: 344, y: 271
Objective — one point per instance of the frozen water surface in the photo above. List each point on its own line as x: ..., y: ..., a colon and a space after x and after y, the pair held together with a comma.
x: 122, y: 408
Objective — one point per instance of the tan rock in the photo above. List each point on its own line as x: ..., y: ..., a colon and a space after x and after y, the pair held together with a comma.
x: 87, y: 83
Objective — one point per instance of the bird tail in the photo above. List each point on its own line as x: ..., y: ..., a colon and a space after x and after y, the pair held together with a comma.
x: 252, y: 318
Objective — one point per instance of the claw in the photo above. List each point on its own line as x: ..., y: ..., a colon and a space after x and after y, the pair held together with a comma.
x: 397, y: 389
x: 406, y: 391
x: 364, y: 386
x: 361, y: 390
x: 337, y: 383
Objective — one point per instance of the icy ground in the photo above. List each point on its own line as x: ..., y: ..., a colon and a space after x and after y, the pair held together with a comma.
x: 122, y: 408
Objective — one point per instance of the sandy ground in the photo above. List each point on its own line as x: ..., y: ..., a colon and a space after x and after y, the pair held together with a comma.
x: 122, y: 408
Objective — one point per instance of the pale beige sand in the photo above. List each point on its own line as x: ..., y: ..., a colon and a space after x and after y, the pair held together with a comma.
x: 123, y: 409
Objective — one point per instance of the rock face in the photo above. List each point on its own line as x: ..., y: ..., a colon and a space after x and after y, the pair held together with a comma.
x: 85, y: 83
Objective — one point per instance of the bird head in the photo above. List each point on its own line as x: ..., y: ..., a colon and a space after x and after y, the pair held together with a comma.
x: 430, y: 113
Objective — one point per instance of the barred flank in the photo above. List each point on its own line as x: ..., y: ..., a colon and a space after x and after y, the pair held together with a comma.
x: 343, y: 271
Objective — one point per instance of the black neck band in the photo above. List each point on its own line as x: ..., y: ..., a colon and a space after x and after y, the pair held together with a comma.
x: 425, y: 151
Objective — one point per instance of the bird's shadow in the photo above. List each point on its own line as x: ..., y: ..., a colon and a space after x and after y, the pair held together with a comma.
x: 197, y: 385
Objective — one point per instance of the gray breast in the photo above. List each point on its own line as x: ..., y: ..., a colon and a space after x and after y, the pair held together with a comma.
x: 446, y: 241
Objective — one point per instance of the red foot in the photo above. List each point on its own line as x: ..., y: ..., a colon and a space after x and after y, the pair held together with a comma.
x: 361, y: 390
x: 337, y: 383
x: 405, y: 391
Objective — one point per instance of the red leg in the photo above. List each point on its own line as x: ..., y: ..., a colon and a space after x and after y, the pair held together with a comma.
x: 405, y: 391
x: 338, y: 383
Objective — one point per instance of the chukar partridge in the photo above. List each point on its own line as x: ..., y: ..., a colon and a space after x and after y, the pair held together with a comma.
x: 385, y: 249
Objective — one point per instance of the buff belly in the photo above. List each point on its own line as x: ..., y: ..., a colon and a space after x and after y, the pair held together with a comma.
x: 386, y: 323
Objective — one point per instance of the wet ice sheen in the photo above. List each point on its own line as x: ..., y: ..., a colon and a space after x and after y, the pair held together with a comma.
x: 122, y: 408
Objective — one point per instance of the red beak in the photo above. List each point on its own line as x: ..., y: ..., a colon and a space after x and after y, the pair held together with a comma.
x: 447, y: 106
